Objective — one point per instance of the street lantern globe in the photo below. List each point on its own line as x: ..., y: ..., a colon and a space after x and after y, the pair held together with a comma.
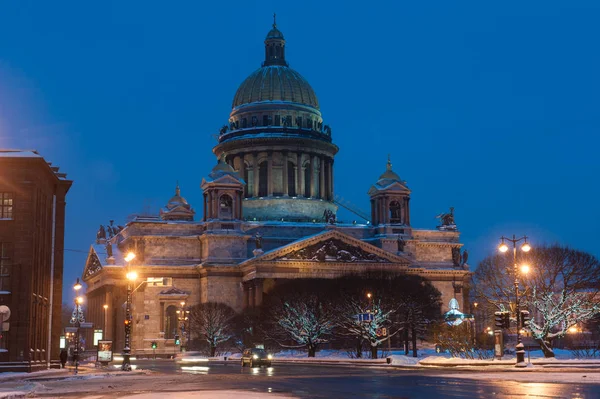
x: 105, y: 307
x: 77, y: 285
x: 369, y: 295
x: 503, y: 247
x: 129, y: 257
x: 525, y: 247
x: 79, y: 300
x: 525, y: 269
x: 132, y: 276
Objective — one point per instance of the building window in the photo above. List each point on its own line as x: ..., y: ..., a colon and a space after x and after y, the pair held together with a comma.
x: 171, y: 323
x: 244, y: 123
x: 266, y: 120
x: 5, y: 266
x: 291, y: 177
x: 263, y: 179
x: 225, y: 207
x: 6, y: 206
x: 277, y: 120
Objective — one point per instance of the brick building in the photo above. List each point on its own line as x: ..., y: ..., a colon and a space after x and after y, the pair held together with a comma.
x: 32, y: 220
x: 268, y: 215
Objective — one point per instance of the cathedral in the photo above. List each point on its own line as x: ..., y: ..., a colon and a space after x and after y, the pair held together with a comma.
x: 268, y: 215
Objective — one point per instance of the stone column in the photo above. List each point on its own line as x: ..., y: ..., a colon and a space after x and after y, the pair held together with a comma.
x: 205, y: 208
x: 215, y: 210
x: 407, y: 212
x: 313, y: 184
x: 269, y: 174
x: 322, y: 193
x: 256, y: 174
x: 242, y: 173
x: 386, y: 210
x: 245, y: 298
x: 330, y: 179
x: 373, y: 212
x: 300, y: 189
x: 285, y: 174
x: 258, y: 292
x: 234, y: 206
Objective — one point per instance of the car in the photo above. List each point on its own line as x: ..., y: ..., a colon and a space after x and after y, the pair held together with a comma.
x: 256, y: 357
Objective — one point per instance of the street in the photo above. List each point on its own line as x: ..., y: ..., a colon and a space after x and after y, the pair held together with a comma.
x: 297, y: 381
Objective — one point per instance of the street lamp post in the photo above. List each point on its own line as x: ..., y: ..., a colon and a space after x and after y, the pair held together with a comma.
x: 104, y: 335
x: 77, y: 319
x: 131, y: 276
x: 525, y: 247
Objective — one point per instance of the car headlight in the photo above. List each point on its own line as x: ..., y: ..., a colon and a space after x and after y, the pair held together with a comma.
x: 269, y: 357
x: 255, y: 357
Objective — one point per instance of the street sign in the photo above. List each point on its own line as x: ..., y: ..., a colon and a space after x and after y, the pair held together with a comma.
x: 70, y: 329
x: 365, y: 317
x: 86, y: 325
x: 98, y: 335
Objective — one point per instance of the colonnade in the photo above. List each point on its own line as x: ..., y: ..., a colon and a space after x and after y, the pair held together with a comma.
x: 312, y: 174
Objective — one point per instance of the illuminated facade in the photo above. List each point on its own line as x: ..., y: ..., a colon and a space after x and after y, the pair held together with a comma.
x: 268, y: 214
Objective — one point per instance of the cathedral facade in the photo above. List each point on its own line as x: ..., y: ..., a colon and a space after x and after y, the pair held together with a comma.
x: 268, y: 215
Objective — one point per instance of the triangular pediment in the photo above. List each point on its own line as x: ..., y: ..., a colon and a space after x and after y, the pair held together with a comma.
x: 92, y: 264
x: 332, y: 246
x: 222, y: 180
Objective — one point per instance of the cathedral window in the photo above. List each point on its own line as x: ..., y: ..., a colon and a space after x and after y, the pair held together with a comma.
x: 307, y: 181
x: 277, y: 120
x: 395, y: 212
x: 6, y: 206
x: 225, y: 207
x: 244, y: 123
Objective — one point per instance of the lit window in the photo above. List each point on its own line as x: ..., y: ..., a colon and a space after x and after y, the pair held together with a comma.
x: 6, y: 206
x: 159, y: 281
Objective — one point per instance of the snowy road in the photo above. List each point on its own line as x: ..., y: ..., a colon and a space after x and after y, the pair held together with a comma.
x: 208, y: 380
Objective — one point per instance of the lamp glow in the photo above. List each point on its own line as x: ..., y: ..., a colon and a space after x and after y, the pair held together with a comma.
x: 79, y: 300
x: 132, y: 276
x: 129, y: 257
x: 525, y: 269
x: 503, y: 247
x: 526, y: 247
x: 77, y: 285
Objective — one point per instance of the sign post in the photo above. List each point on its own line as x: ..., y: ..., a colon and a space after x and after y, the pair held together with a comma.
x: 498, y: 344
x: 105, y: 352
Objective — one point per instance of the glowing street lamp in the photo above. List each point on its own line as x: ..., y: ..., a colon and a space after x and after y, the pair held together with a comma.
x: 525, y: 247
x: 77, y: 319
x: 131, y: 276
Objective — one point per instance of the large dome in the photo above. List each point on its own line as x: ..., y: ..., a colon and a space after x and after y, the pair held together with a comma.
x: 275, y: 83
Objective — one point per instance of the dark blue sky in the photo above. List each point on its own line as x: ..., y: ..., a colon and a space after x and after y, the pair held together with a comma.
x: 490, y: 107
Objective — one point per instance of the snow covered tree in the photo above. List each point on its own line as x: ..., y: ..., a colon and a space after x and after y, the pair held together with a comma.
x: 561, y: 289
x: 351, y: 320
x: 397, y: 302
x: 212, y: 322
x: 300, y: 311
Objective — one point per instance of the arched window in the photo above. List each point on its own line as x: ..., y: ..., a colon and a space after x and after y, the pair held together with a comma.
x: 263, y: 176
x: 171, y: 322
x: 225, y: 207
x: 291, y: 178
x: 395, y: 212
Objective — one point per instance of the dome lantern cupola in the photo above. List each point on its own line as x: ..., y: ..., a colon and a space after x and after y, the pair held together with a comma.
x: 177, y: 208
x: 275, y: 47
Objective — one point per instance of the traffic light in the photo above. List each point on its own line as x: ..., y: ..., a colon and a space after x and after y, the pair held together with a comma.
x: 154, y: 345
x: 177, y: 340
x: 506, y: 319
x: 499, y: 319
x: 525, y: 318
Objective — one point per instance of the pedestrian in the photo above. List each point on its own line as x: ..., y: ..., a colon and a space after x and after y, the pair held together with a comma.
x: 63, y: 358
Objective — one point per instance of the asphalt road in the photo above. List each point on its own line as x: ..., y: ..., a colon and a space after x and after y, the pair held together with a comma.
x: 305, y: 381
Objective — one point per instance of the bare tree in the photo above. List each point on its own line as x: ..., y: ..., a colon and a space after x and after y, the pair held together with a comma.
x: 365, y: 320
x: 305, y: 319
x: 561, y: 290
x: 212, y: 322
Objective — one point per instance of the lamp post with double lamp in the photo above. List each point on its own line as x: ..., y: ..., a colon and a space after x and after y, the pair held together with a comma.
x: 131, y: 276
x: 525, y: 247
x: 77, y: 319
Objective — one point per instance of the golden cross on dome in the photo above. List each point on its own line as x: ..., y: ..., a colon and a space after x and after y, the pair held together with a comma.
x: 274, y: 20
x: 389, y: 163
